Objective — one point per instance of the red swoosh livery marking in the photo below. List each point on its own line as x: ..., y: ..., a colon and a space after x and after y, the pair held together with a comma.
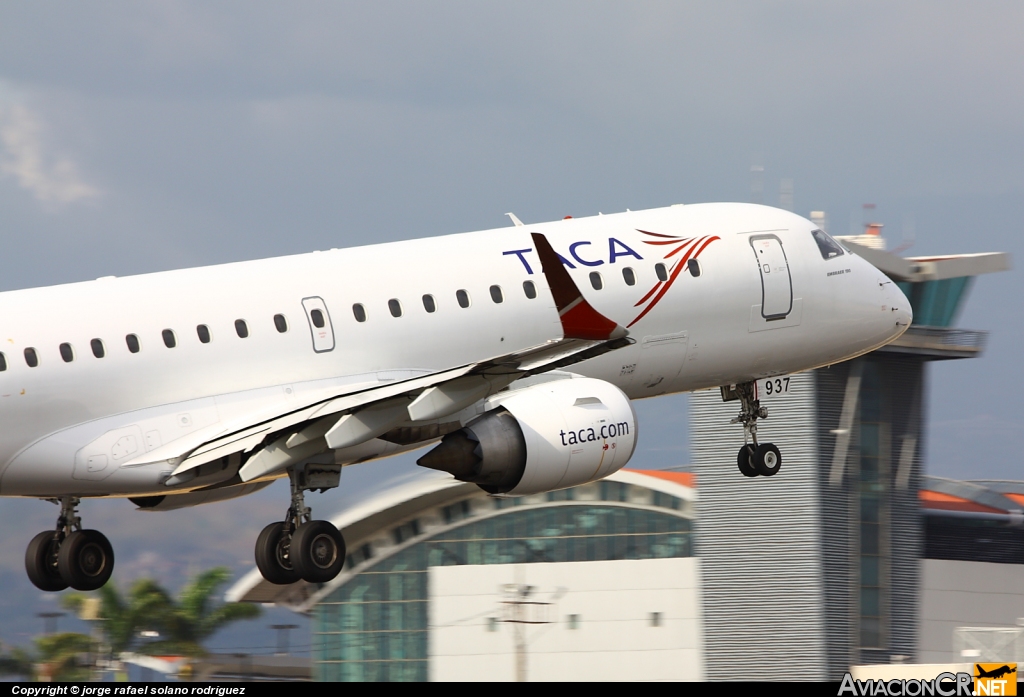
x: 579, y: 319
x: 693, y: 247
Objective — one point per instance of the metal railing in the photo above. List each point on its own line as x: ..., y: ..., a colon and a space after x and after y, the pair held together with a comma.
x: 940, y: 341
x: 988, y: 644
x: 948, y: 336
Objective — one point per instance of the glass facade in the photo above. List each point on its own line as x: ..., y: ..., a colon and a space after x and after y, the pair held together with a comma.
x: 936, y: 303
x: 374, y: 626
x: 870, y: 492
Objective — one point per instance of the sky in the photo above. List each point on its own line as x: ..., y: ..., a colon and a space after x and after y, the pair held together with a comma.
x: 146, y: 136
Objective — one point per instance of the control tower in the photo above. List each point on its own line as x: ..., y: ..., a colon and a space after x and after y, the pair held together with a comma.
x: 816, y: 569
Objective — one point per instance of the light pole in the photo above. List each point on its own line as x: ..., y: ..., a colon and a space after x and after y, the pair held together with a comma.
x: 50, y: 621
x: 282, y: 637
x: 520, y: 611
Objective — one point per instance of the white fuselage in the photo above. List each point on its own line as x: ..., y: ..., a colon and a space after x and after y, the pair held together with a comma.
x: 704, y: 331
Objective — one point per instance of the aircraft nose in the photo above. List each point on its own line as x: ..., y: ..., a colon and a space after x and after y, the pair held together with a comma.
x: 902, y: 312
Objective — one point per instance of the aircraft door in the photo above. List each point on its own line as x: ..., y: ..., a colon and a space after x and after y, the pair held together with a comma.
x: 776, y: 282
x: 319, y: 324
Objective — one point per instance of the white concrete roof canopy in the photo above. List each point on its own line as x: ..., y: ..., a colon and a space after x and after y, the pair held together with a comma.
x: 374, y: 518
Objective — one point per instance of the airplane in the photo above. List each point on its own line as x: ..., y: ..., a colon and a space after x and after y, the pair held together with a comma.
x: 995, y: 673
x: 515, y: 351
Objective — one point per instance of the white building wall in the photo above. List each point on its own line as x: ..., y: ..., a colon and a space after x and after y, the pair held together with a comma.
x: 965, y: 594
x: 613, y: 601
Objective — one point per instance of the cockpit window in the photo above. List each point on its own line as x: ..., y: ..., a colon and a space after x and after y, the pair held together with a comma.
x: 828, y: 247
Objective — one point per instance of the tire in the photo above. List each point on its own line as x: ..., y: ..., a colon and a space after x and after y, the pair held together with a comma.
x: 743, y: 459
x: 272, y: 556
x: 41, y: 562
x: 86, y: 560
x: 767, y: 459
x: 318, y: 551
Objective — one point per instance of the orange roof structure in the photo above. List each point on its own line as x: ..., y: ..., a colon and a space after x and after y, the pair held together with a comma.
x: 948, y: 502
x: 685, y: 478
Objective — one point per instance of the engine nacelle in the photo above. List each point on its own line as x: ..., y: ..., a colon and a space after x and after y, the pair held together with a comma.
x: 540, y: 438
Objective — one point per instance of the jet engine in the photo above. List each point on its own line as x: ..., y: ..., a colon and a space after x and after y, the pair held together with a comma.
x: 549, y: 436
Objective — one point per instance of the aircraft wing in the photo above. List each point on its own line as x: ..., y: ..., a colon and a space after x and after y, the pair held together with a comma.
x: 347, y: 419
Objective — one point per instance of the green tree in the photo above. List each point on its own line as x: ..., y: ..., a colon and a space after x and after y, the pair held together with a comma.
x: 182, y: 623
x: 64, y: 656
x: 16, y: 662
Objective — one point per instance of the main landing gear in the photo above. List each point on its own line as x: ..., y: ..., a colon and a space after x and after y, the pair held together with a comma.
x: 301, y: 548
x: 754, y: 459
x: 69, y: 556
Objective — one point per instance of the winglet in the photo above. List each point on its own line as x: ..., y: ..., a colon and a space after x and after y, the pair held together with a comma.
x: 579, y: 319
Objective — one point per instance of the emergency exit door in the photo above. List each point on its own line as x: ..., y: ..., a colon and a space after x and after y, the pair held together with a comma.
x: 319, y: 324
x: 776, y: 282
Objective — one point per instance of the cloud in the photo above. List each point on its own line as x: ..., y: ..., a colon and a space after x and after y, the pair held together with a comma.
x: 23, y: 156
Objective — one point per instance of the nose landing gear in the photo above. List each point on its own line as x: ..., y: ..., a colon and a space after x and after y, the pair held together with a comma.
x: 754, y: 459
x: 299, y: 547
x: 68, y: 555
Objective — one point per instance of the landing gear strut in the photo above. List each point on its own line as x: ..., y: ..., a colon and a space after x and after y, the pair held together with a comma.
x: 754, y: 459
x: 69, y: 555
x: 299, y: 547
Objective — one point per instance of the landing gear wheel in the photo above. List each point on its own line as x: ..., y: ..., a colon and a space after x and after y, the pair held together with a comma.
x: 273, y: 557
x: 41, y: 562
x: 767, y: 459
x: 86, y: 560
x: 318, y: 551
x: 743, y: 459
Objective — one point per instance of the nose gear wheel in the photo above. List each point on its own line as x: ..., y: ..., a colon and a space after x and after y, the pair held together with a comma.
x: 743, y: 461
x: 754, y: 459
x: 767, y: 459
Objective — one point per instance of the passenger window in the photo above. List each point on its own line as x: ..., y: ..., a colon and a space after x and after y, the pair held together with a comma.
x: 360, y: 312
x: 31, y: 358
x: 318, y: 318
x: 496, y: 295
x: 828, y: 247
x: 169, y: 340
x: 463, y: 298
x: 281, y: 324
x: 133, y: 343
x: 530, y: 290
x: 428, y: 303
x: 3, y: 362
x: 393, y: 305
x: 241, y: 328
x: 97, y: 348
x: 629, y: 276
x: 661, y: 271
x: 596, y: 281
x: 203, y: 332
x: 693, y: 266
x: 67, y: 353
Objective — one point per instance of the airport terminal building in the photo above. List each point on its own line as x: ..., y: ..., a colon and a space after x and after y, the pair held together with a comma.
x: 444, y: 582
x: 609, y: 581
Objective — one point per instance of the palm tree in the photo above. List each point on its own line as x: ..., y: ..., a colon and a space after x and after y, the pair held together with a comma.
x: 181, y: 624
x: 63, y: 656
